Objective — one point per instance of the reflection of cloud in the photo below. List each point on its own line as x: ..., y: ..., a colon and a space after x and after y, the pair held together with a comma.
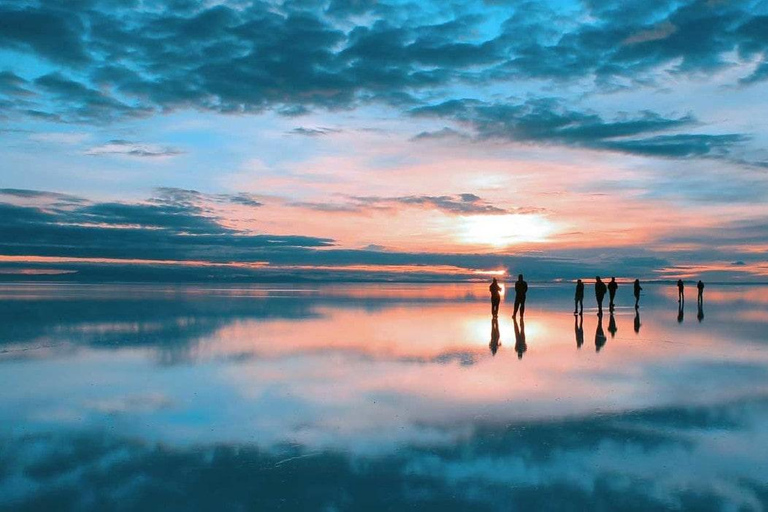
x: 133, y: 404
x: 583, y: 462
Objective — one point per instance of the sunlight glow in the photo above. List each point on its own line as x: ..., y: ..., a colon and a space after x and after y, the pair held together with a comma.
x: 504, y: 230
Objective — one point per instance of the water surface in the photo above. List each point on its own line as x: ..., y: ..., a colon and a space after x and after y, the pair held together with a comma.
x: 379, y: 397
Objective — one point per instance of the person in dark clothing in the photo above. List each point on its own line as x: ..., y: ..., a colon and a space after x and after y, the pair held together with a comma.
x: 637, y: 293
x: 495, y: 335
x: 521, y: 288
x: 520, y: 345
x: 680, y: 291
x: 495, y: 297
x: 700, y: 287
x: 612, y: 287
x: 600, y: 290
x: 578, y: 308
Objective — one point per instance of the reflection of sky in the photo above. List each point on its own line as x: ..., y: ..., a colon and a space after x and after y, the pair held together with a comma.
x: 673, y: 412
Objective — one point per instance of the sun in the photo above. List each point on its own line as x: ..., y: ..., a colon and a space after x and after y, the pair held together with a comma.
x: 505, y: 230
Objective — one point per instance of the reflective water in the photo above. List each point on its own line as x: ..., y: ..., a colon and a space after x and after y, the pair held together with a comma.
x: 379, y: 397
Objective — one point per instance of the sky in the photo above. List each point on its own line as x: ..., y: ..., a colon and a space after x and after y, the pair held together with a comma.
x: 363, y: 139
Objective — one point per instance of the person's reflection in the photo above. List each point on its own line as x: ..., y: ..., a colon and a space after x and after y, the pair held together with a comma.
x: 612, y: 325
x: 495, y: 335
x: 520, y: 346
x: 578, y: 329
x: 600, y: 338
x: 700, y: 314
x: 680, y: 311
x: 637, y: 321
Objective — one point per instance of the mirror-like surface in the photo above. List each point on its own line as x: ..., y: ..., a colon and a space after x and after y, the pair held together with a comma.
x: 380, y: 397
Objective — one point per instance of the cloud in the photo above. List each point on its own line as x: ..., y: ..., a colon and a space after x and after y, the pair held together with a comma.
x: 461, y: 204
x: 549, y: 121
x: 53, y: 33
x: 12, y: 84
x: 213, y: 56
x: 118, y: 61
x: 314, y: 132
x: 40, y: 194
x: 172, y: 226
x: 133, y: 149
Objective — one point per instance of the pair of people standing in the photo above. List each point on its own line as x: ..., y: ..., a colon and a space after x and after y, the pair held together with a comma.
x: 681, y: 291
x: 521, y: 291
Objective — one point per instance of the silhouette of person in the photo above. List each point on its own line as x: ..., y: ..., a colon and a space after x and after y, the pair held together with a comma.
x: 612, y: 326
x: 521, y: 289
x: 600, y: 338
x: 520, y: 346
x: 495, y: 335
x: 700, y: 313
x: 700, y: 287
x: 612, y: 287
x: 578, y: 329
x: 680, y: 312
x: 600, y: 290
x: 680, y: 290
x: 638, y: 288
x: 495, y: 297
x: 578, y: 307
x: 637, y: 321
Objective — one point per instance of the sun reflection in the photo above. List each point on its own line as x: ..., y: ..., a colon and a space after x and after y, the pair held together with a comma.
x: 504, y: 230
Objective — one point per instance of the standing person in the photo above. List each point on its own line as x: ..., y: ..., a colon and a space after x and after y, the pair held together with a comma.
x: 521, y: 288
x: 700, y: 287
x: 495, y: 297
x: 612, y: 287
x: 600, y: 290
x: 578, y: 308
x: 680, y: 291
x: 637, y: 293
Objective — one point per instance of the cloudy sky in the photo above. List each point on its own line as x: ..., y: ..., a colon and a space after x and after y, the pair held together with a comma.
x: 363, y: 138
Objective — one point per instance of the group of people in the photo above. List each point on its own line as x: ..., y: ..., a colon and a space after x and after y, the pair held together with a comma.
x: 521, y: 291
x: 601, y: 288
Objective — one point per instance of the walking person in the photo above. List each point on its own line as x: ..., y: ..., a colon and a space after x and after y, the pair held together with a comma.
x: 600, y: 290
x: 612, y: 287
x: 680, y: 291
x: 638, y: 288
x: 495, y: 297
x: 521, y: 289
x: 700, y: 288
x: 578, y: 308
